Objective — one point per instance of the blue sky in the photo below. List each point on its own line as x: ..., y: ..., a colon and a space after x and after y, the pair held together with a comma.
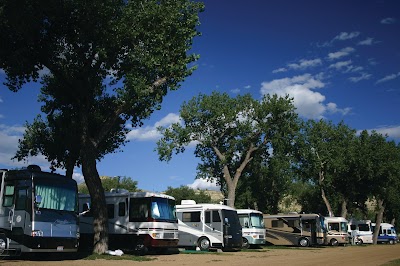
x: 340, y: 60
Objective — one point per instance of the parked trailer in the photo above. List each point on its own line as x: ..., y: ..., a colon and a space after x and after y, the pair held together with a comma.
x: 38, y: 212
x: 336, y: 231
x: 137, y: 221
x: 294, y: 229
x: 387, y: 233
x: 253, y: 229
x: 208, y: 226
x: 360, y: 231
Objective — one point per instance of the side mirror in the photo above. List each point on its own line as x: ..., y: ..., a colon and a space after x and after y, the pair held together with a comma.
x: 38, y: 200
x: 246, y: 224
x: 86, y: 206
x: 226, y: 221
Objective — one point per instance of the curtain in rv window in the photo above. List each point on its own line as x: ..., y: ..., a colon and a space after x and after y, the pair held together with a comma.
x: 56, y: 198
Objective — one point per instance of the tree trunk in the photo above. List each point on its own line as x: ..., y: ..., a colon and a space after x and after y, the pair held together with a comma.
x: 328, y: 205
x: 344, y: 209
x: 231, y: 194
x: 98, y: 205
x: 379, y: 217
x: 99, y: 208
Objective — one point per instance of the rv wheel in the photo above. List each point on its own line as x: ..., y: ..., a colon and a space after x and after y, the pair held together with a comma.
x: 245, y: 243
x: 391, y: 241
x: 334, y: 242
x: 303, y: 242
x: 204, y: 244
x: 3, y: 243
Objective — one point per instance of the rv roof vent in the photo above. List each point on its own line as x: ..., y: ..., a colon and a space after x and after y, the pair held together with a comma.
x: 34, y: 167
x: 118, y: 190
x: 188, y: 202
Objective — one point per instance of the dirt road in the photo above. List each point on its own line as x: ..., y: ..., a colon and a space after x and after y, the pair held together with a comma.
x: 350, y: 255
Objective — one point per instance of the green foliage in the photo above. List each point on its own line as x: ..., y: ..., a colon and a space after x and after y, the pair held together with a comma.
x: 112, y: 182
x: 229, y: 132
x: 185, y: 193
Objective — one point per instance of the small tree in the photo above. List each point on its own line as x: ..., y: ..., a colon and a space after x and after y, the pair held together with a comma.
x: 227, y: 132
x: 112, y: 182
x: 187, y: 193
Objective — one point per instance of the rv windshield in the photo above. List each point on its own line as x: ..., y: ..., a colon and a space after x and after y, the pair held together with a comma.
x: 60, y: 197
x: 162, y: 208
x: 256, y: 220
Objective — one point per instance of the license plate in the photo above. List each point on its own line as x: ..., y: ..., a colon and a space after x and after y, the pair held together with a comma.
x: 60, y: 248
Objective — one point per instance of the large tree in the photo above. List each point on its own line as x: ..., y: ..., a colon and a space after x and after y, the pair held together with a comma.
x: 227, y: 133
x: 106, y: 63
x: 324, y: 150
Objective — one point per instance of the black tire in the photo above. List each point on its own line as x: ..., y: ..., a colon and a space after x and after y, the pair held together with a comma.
x: 140, y: 249
x: 359, y: 242
x: 334, y: 242
x: 3, y: 243
x: 204, y: 244
x: 391, y: 242
x: 304, y: 242
x: 245, y: 243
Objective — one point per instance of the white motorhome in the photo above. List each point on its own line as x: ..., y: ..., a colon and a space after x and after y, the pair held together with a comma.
x: 336, y: 231
x: 253, y: 229
x: 208, y: 226
x: 360, y: 231
x: 138, y: 221
x: 387, y: 233
x: 38, y: 212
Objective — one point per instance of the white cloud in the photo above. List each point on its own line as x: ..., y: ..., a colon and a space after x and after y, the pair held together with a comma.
x: 303, y: 64
x: 332, y: 108
x: 343, y: 52
x: 79, y: 178
x: 203, y: 184
x: 308, y: 102
x: 388, y: 77
x: 279, y: 70
x: 150, y: 133
x: 247, y: 87
x: 341, y: 64
x: 368, y: 41
x: 9, y: 136
x: 363, y: 76
x: 388, y: 21
x: 391, y: 131
x: 346, y: 36
x: 235, y: 91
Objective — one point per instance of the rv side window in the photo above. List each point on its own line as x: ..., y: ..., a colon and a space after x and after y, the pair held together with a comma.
x: 8, y: 196
x: 334, y: 226
x: 208, y: 217
x: 216, y: 217
x: 138, y: 210
x: 277, y: 223
x: 353, y: 227
x: 121, y: 209
x: 293, y: 223
x: 110, y: 210
x: 191, y: 217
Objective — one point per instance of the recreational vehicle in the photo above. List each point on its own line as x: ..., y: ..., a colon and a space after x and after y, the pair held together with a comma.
x: 38, y: 212
x: 253, y: 229
x: 208, y: 226
x: 360, y: 231
x: 336, y: 231
x: 387, y: 233
x: 137, y: 221
x: 294, y: 229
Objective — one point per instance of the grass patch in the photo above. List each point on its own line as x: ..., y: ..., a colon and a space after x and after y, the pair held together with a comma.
x: 123, y: 257
x: 392, y: 263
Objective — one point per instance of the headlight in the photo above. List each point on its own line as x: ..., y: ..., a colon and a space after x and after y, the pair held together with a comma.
x: 156, y: 235
x: 36, y: 233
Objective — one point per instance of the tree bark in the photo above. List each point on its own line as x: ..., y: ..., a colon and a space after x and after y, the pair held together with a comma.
x: 379, y: 217
x: 344, y: 209
x: 95, y: 187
